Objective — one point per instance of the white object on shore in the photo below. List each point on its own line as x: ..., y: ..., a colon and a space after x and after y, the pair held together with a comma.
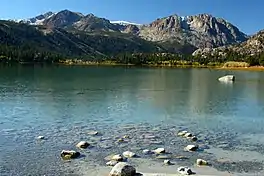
x: 185, y: 171
x: 227, y: 78
x: 123, y: 169
x: 41, y: 137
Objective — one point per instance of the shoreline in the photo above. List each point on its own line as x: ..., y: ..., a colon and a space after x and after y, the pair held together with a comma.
x: 250, y: 68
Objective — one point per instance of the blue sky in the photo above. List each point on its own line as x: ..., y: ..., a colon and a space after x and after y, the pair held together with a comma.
x: 245, y: 14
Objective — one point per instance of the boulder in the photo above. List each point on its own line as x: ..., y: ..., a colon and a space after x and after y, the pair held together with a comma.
x: 159, y: 150
x: 227, y: 78
x: 69, y: 154
x: 185, y: 171
x: 201, y: 162
x: 123, y: 169
x: 111, y: 163
x: 191, y: 148
x: 182, y: 133
x: 83, y: 145
x: 40, y: 137
x: 129, y: 154
x: 117, y: 158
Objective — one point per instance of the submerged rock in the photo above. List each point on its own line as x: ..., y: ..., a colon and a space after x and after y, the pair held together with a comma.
x: 40, y: 137
x: 69, y: 154
x: 123, y: 169
x: 201, y: 162
x: 163, y: 157
x: 83, y: 145
x: 182, y: 157
x: 185, y: 171
x: 167, y: 162
x: 193, y: 138
x: 159, y: 150
x: 93, y: 133
x: 182, y: 133
x: 188, y: 135
x: 129, y: 154
x: 191, y: 148
x: 227, y: 78
x: 147, y: 152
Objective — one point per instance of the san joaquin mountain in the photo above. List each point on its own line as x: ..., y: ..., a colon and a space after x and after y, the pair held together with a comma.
x: 198, y: 31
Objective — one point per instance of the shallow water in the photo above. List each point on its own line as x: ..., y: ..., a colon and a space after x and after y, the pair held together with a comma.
x: 64, y: 103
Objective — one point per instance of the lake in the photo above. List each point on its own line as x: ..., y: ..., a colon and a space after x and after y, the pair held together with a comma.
x: 64, y: 103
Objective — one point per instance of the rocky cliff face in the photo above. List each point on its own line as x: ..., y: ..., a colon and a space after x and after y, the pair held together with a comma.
x: 202, y: 31
x: 253, y: 46
x: 92, y: 23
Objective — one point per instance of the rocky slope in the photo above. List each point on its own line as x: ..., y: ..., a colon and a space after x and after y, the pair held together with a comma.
x: 198, y: 31
x: 253, y: 46
x: 202, y: 31
x: 71, y: 43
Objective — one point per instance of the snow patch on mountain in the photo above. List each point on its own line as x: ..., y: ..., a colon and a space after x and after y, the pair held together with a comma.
x: 124, y: 23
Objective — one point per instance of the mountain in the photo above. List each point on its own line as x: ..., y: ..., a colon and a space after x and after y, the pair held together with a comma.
x: 252, y: 47
x: 198, y: 31
x: 38, y: 20
x: 201, y: 31
x: 63, y: 19
x: 22, y: 38
x: 92, y: 23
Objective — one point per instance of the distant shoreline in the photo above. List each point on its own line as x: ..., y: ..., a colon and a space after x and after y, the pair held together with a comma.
x: 217, y: 67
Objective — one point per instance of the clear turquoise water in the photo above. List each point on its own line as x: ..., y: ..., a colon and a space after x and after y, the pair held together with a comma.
x: 63, y: 103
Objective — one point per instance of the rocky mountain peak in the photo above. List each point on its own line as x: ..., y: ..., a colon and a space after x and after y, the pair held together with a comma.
x: 63, y: 18
x: 202, y: 31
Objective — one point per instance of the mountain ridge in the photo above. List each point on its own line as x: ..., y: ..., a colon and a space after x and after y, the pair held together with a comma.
x: 200, y: 31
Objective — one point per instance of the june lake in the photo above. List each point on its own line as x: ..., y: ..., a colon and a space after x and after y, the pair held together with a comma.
x: 65, y: 103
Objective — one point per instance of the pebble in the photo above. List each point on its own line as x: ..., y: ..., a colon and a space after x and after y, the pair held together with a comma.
x: 201, y: 162
x: 191, y: 148
x: 83, y: 145
x: 111, y: 163
x: 117, y: 158
x: 185, y: 171
x: 159, y: 150
x: 167, y: 162
x: 93, y: 133
x: 147, y: 152
x: 182, y: 133
x: 129, y: 154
